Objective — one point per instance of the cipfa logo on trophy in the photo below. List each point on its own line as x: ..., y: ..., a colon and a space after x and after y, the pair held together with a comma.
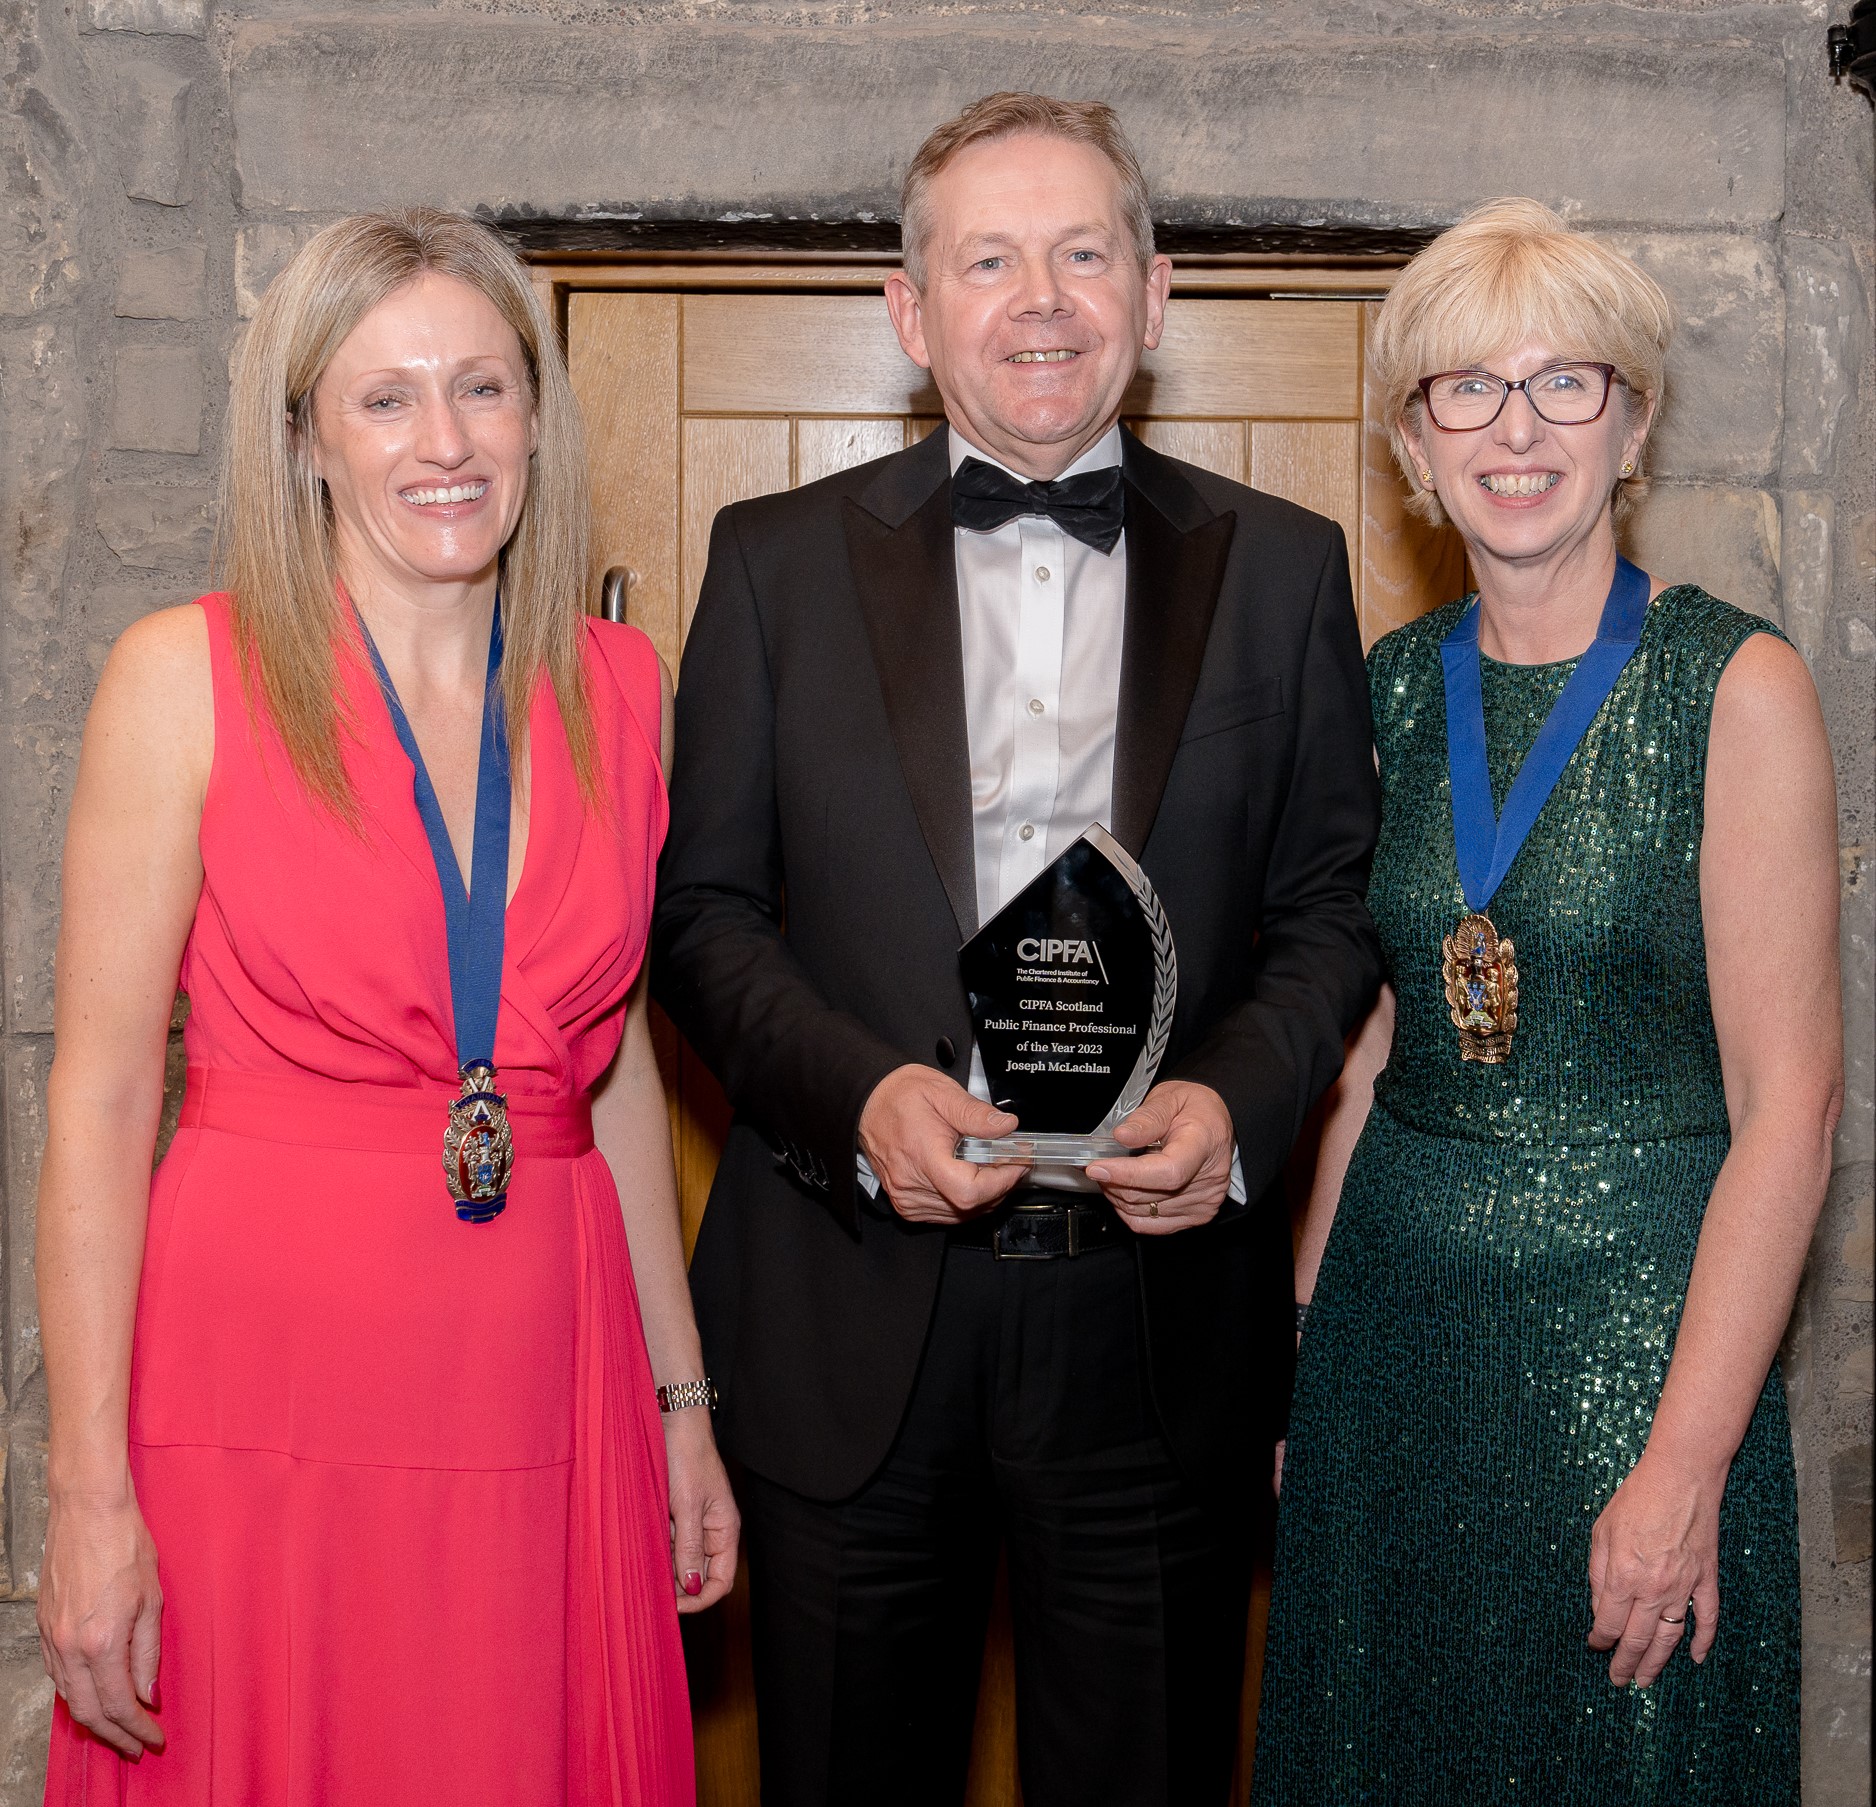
x: 1072, y: 986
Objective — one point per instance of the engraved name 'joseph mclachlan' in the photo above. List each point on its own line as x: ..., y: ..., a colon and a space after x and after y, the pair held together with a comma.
x: 1071, y: 987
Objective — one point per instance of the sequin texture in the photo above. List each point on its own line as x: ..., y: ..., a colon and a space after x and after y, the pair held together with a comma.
x: 1498, y: 1301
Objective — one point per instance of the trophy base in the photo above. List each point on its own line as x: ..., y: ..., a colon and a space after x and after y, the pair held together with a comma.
x: 1044, y: 1148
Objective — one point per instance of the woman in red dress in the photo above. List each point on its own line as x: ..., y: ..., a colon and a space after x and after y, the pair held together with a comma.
x: 358, y: 1487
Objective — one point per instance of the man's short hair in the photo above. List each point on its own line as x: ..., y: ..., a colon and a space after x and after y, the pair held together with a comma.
x: 1090, y: 122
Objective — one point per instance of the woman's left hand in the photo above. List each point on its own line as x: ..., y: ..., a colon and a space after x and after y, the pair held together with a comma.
x: 705, y: 1524
x: 1654, y: 1558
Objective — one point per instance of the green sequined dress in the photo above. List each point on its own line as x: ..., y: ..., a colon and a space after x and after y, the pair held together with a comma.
x: 1498, y: 1300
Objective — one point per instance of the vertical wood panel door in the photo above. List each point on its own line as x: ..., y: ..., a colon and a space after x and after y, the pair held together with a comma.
x: 696, y: 399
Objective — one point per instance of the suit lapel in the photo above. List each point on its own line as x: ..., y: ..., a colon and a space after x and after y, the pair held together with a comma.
x: 1176, y: 551
x: 905, y: 571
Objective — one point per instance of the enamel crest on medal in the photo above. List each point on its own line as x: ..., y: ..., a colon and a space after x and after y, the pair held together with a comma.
x: 1481, y: 971
x: 478, y: 1147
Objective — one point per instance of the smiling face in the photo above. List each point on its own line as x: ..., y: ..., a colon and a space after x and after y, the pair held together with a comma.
x: 1523, y: 490
x: 423, y: 424
x: 1035, y: 308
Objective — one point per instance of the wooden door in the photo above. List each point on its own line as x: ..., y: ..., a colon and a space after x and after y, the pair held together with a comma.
x: 697, y: 394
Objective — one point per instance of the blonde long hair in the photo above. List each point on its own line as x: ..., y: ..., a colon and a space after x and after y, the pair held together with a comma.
x: 1513, y: 270
x: 275, y: 542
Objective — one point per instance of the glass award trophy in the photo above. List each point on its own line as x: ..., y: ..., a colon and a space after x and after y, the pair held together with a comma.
x: 1071, y: 986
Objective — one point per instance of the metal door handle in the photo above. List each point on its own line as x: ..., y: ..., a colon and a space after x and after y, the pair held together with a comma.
x: 612, y: 592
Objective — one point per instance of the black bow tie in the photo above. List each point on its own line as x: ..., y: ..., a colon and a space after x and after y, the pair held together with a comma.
x: 1089, y: 506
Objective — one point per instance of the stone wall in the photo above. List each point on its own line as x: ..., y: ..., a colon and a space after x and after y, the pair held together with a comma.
x: 161, y: 159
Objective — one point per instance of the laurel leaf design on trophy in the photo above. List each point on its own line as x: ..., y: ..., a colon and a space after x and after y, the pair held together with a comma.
x: 1165, y: 997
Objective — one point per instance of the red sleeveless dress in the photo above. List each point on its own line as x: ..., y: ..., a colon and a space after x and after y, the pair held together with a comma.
x: 405, y: 1474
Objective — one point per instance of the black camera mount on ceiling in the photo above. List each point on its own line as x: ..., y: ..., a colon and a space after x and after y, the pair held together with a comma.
x: 1853, y: 48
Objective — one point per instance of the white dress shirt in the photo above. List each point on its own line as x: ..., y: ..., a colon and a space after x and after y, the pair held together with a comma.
x: 1042, y: 619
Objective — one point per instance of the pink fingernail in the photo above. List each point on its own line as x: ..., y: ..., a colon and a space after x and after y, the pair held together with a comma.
x: 693, y: 1583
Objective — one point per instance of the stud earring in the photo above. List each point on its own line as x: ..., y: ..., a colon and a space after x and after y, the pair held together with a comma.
x: 1426, y: 477
x: 1628, y: 467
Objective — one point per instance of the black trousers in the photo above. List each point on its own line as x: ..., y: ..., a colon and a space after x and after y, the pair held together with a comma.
x: 1031, y: 1428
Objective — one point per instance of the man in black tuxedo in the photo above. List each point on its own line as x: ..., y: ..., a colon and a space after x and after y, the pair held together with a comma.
x: 907, y: 689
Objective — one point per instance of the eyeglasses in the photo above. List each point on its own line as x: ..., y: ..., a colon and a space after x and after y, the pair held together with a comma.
x: 1566, y: 395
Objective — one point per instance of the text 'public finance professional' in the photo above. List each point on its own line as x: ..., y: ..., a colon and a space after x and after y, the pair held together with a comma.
x: 391, y: 805
x: 1538, y: 1538
x: 907, y: 688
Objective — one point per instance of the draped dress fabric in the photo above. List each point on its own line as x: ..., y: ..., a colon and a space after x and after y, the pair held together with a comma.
x: 1499, y: 1297
x: 404, y: 1474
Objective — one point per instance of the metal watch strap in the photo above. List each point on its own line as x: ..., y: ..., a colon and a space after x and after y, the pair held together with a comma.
x: 687, y: 1393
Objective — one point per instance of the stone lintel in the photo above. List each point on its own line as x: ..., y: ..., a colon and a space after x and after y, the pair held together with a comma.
x: 735, y: 119
x: 167, y: 18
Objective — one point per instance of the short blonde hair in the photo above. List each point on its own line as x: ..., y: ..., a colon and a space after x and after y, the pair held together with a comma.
x: 1009, y: 115
x: 1511, y: 270
x: 274, y: 533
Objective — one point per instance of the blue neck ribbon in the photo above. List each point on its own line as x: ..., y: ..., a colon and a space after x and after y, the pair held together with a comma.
x: 476, y: 916
x: 1487, y: 844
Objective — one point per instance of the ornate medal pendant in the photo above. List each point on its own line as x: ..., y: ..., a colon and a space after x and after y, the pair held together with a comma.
x: 478, y: 1147
x: 1479, y: 966
x: 1481, y: 972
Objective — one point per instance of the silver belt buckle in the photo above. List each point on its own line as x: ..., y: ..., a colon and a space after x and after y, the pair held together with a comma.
x: 1032, y: 1217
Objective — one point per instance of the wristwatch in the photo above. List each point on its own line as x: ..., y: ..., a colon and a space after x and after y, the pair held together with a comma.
x: 688, y: 1393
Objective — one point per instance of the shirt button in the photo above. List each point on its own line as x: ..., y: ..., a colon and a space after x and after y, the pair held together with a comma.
x: 1035, y: 705
x: 1042, y: 574
x: 1027, y: 832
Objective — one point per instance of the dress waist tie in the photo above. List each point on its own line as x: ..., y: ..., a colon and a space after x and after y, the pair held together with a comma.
x: 308, y: 1112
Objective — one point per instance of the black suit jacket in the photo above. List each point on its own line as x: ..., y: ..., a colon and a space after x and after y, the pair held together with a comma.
x: 818, y: 880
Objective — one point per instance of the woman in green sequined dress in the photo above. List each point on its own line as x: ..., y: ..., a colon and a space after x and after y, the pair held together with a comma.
x: 1537, y: 1537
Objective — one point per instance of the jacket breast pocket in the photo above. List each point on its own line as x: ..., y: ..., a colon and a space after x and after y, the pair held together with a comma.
x: 1235, y: 707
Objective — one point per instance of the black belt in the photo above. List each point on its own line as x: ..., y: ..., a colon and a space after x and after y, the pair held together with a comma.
x: 1042, y: 1226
